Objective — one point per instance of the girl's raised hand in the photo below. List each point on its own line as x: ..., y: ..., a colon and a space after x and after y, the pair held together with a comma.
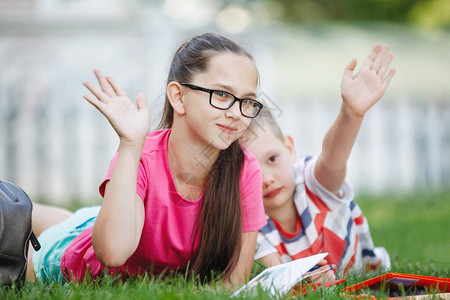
x: 132, y: 123
x: 362, y: 90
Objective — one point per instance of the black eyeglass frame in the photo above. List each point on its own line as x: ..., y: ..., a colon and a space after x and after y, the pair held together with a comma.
x: 198, y: 88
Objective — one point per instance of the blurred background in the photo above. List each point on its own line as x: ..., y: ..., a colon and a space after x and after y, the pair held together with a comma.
x: 57, y: 147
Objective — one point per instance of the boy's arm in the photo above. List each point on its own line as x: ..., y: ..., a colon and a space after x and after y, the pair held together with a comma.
x: 359, y: 93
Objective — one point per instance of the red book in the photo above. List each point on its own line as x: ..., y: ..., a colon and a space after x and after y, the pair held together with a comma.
x: 394, y: 283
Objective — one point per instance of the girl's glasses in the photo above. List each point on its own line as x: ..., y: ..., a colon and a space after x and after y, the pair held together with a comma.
x: 250, y: 108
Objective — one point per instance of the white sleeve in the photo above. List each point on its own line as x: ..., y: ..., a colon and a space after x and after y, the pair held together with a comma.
x: 346, y: 192
x: 263, y: 247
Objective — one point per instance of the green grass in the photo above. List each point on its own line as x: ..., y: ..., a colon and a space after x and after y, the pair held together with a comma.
x: 414, y: 229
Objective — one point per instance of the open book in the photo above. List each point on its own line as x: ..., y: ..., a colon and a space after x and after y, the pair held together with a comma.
x: 278, y: 280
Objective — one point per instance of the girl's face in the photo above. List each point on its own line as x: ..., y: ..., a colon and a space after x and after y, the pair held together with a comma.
x: 275, y: 158
x: 228, y: 72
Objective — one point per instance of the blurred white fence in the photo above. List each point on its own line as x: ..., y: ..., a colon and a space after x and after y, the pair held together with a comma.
x: 61, y: 154
x: 402, y: 146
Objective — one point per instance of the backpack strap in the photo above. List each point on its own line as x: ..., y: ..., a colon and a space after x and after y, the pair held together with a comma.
x: 34, y: 242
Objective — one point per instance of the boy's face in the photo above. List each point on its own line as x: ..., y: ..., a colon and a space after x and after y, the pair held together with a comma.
x: 275, y: 158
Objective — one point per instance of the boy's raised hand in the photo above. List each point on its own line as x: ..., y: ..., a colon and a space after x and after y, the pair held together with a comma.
x: 132, y: 123
x: 362, y: 90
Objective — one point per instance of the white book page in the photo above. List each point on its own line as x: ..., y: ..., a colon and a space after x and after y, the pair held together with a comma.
x: 278, y: 280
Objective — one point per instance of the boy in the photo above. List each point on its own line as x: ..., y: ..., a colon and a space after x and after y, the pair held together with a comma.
x: 309, y: 207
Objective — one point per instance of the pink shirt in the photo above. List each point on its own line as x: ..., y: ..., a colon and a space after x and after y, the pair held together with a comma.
x: 166, y: 239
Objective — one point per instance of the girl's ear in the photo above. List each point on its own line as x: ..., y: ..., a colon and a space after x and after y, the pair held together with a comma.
x: 289, y: 144
x: 175, y: 96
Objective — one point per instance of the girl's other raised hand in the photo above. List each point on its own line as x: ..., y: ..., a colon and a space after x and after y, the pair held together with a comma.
x: 131, y: 122
x: 362, y: 90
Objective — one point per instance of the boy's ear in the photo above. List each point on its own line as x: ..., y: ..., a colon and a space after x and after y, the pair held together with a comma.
x: 175, y: 96
x: 289, y: 144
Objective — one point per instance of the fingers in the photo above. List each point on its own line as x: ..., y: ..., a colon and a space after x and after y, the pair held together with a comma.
x: 323, y: 276
x: 380, y: 57
x: 385, y: 65
x: 118, y: 90
x: 109, y: 87
x: 379, y: 61
x: 388, y: 78
x: 104, y: 84
x: 326, y: 269
x: 141, y: 101
x: 95, y: 102
x: 372, y: 56
x: 322, y: 262
x: 96, y: 91
x: 329, y: 276
x: 348, y: 72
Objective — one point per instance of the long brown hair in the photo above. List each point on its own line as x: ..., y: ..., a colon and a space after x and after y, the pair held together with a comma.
x: 220, y: 213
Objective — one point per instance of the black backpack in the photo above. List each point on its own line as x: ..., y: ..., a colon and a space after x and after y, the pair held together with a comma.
x: 15, y: 232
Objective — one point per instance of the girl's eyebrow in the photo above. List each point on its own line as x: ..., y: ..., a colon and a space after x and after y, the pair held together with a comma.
x: 229, y: 88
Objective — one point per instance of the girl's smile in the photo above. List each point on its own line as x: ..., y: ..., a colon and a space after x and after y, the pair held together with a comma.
x: 227, y: 129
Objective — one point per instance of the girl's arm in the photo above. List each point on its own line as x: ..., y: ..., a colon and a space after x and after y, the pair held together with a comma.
x: 118, y: 227
x: 273, y: 259
x: 242, y: 270
x: 359, y: 93
x: 117, y: 230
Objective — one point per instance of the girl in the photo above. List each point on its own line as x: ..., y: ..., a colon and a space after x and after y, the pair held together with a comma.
x: 185, y: 196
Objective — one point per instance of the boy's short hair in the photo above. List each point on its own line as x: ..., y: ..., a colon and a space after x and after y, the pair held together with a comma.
x: 264, y: 121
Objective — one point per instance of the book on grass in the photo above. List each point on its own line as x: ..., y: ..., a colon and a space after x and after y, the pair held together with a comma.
x: 278, y: 280
x: 398, y: 284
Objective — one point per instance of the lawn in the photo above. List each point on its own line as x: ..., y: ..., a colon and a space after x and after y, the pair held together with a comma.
x: 413, y: 228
